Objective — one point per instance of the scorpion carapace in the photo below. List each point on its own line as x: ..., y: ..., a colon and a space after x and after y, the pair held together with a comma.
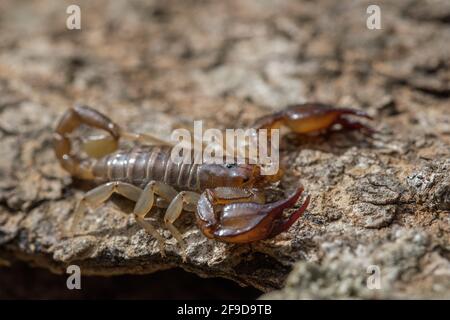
x: 227, y: 199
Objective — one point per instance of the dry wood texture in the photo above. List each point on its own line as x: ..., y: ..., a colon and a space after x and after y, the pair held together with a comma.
x: 155, y: 65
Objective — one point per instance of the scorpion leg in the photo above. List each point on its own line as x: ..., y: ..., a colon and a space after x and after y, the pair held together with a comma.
x: 184, y: 200
x: 145, y: 203
x: 102, y: 193
x: 147, y: 197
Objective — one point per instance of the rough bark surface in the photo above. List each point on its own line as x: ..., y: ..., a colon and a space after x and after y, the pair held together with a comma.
x: 155, y: 66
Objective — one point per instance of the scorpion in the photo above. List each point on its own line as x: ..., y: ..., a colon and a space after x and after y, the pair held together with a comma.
x: 227, y: 199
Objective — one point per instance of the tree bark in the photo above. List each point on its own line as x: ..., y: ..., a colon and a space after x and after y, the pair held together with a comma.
x: 153, y: 67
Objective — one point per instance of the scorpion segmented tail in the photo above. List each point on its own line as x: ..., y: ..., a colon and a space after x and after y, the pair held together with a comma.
x: 70, y: 121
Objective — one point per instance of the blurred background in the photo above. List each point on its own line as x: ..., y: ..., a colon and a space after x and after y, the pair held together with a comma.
x: 23, y: 282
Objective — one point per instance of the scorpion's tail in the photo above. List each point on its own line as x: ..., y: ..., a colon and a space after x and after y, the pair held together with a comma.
x: 71, y: 120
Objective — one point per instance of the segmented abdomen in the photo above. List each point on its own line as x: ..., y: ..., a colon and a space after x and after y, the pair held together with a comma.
x: 141, y: 165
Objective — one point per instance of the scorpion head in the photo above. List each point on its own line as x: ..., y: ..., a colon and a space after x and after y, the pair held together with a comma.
x: 234, y: 175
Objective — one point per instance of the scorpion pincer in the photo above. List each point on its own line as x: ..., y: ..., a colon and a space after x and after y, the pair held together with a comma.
x: 228, y: 200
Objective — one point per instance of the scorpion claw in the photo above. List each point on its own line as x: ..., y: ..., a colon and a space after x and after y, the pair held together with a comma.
x: 314, y: 117
x: 284, y: 225
x: 247, y: 221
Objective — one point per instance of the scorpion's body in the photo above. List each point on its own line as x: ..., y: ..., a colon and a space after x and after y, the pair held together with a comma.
x: 228, y: 199
x: 141, y: 165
